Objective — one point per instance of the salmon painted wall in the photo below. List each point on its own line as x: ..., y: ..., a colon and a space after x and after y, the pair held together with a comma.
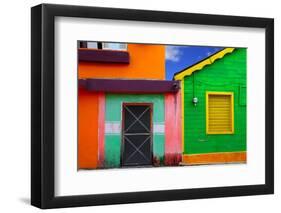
x: 146, y: 62
x: 101, y: 128
x: 173, y: 129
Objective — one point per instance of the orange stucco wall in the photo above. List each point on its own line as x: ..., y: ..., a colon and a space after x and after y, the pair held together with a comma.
x: 87, y: 130
x: 146, y: 62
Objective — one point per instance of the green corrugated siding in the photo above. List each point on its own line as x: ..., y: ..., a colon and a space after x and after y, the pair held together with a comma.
x: 225, y: 75
x: 113, y: 113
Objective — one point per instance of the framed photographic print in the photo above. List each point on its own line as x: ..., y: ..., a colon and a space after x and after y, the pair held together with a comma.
x: 139, y: 106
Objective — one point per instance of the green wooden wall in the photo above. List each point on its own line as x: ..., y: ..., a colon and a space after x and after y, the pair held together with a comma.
x: 226, y: 75
x: 113, y: 115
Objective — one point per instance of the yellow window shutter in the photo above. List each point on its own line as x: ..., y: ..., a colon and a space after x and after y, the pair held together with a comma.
x: 219, y: 113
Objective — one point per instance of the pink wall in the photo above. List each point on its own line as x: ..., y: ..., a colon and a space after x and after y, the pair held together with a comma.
x: 101, y: 119
x: 173, y: 140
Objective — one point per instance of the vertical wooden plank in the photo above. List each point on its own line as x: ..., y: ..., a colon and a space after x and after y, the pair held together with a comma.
x: 101, y: 126
x: 173, y: 146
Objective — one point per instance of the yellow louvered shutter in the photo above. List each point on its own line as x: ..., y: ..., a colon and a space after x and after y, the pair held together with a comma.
x: 219, y: 110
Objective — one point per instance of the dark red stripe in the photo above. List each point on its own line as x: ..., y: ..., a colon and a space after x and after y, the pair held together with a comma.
x: 104, y: 56
x: 129, y: 86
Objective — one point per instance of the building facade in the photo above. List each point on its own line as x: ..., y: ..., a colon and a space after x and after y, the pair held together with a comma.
x: 214, y: 109
x: 129, y: 115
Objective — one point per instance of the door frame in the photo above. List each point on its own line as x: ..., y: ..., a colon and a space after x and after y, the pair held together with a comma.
x: 123, y: 125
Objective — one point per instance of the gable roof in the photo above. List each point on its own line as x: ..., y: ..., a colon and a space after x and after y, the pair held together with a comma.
x: 201, y: 64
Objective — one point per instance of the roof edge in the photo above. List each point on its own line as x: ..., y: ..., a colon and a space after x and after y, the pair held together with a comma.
x: 129, y: 86
x: 211, y: 59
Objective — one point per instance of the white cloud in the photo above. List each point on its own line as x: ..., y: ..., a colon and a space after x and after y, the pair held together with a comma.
x: 173, y: 53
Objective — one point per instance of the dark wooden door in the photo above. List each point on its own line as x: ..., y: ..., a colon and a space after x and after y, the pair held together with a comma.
x: 137, y: 135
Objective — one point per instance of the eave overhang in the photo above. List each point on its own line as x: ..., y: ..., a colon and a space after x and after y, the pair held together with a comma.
x: 200, y: 65
x: 129, y: 86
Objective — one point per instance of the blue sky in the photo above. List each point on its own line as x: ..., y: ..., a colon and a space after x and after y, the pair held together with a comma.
x: 180, y: 57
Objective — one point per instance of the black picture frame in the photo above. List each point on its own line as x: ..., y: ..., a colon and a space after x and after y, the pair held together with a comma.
x: 43, y: 117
